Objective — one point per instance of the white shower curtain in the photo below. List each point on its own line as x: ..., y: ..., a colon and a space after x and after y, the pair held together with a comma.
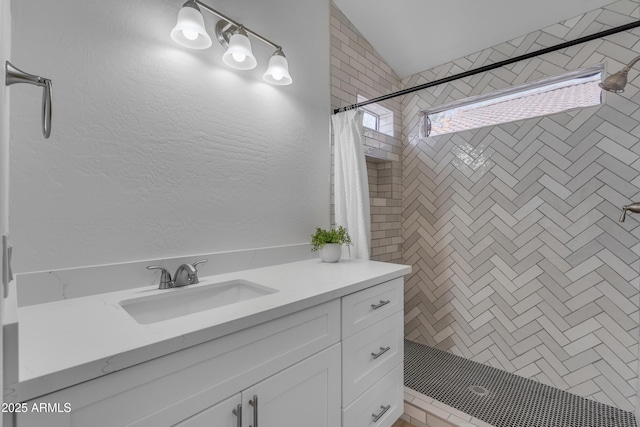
x: 351, y: 192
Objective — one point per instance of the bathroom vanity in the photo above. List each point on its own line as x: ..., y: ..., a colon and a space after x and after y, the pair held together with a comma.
x: 323, y: 348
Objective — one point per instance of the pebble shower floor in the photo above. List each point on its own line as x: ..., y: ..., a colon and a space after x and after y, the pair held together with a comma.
x: 500, y: 398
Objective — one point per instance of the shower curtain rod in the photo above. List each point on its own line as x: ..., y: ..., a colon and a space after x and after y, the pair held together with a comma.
x: 493, y: 66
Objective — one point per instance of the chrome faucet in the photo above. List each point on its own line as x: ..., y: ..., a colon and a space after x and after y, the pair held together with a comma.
x: 165, y: 280
x: 186, y: 274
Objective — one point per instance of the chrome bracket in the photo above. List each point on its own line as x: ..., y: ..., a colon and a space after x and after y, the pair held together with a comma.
x: 224, y: 31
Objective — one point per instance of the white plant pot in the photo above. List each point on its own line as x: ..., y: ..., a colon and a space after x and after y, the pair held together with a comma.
x: 330, y: 252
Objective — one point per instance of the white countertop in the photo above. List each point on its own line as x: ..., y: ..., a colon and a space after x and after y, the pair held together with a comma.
x: 66, y: 342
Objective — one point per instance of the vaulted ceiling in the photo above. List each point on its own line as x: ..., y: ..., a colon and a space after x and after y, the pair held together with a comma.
x: 415, y: 35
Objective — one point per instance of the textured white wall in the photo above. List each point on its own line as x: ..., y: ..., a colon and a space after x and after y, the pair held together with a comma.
x: 158, y: 151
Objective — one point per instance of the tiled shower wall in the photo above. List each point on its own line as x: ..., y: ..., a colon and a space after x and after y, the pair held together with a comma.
x: 357, y: 69
x: 518, y: 257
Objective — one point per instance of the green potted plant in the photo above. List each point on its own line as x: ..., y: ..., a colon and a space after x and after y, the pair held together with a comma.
x: 329, y: 243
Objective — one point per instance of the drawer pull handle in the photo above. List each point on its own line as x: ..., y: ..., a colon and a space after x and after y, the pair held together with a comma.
x: 238, y: 413
x: 382, y: 303
x: 378, y: 416
x: 382, y: 351
x: 254, y: 402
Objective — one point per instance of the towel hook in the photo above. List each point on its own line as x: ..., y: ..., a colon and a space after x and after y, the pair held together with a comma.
x: 15, y: 75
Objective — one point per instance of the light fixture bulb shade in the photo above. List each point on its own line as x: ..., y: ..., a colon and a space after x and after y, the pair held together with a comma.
x: 189, y: 30
x: 278, y: 70
x: 239, y: 54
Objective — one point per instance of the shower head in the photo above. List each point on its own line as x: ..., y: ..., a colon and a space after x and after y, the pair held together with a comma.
x: 617, y: 81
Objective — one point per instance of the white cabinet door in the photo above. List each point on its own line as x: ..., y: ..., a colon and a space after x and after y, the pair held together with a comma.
x: 306, y: 394
x: 219, y: 415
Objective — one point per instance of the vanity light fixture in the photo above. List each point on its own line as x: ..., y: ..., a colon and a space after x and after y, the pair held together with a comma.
x: 278, y: 71
x: 617, y: 81
x: 234, y: 37
x: 239, y: 54
x: 189, y: 31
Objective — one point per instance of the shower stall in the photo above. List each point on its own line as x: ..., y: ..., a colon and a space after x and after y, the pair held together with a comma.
x: 520, y: 262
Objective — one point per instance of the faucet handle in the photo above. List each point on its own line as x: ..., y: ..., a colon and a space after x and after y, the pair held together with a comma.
x: 633, y: 207
x: 165, y: 279
x: 195, y: 279
x: 202, y: 261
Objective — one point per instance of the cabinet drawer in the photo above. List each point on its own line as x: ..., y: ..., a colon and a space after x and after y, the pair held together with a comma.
x: 166, y: 390
x: 364, y: 308
x: 388, y: 392
x: 220, y: 414
x: 370, y: 355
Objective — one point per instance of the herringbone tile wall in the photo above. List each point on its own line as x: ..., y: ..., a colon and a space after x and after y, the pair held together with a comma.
x: 357, y: 69
x: 518, y: 257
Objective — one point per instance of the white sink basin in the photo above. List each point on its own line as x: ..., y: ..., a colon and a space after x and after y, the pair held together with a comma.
x: 188, y: 300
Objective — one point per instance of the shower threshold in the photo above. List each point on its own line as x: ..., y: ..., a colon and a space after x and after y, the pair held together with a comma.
x: 464, y: 393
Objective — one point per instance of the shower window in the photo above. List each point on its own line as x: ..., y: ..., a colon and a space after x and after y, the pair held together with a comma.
x: 370, y: 120
x: 377, y: 117
x: 561, y: 93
